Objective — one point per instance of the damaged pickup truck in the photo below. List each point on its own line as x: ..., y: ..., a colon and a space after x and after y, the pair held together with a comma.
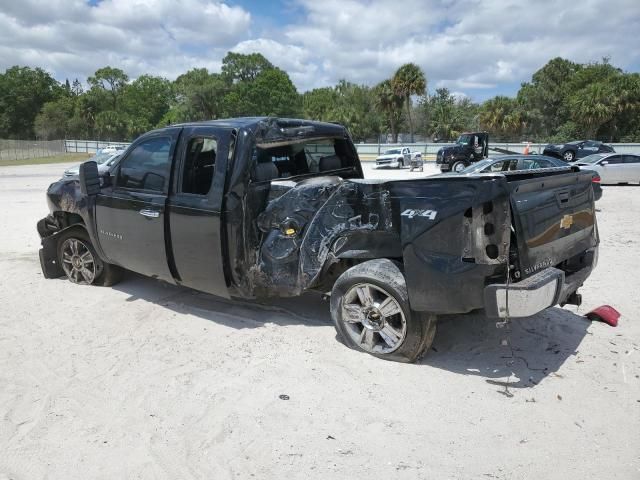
x: 266, y: 207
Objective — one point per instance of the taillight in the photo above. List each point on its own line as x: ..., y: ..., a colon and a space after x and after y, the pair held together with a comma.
x: 595, y: 179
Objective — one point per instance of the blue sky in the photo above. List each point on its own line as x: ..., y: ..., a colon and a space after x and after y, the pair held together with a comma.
x: 479, y: 48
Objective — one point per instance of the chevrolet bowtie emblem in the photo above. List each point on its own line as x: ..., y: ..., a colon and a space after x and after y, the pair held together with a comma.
x: 566, y: 221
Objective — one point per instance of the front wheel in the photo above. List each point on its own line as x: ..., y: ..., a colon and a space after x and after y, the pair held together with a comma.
x: 81, y: 263
x: 458, y: 166
x: 371, y: 313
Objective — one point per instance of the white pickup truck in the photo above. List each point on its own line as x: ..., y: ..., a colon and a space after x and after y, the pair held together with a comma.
x: 399, y: 157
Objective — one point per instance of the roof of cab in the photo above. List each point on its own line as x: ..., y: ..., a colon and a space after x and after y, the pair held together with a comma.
x: 254, y: 122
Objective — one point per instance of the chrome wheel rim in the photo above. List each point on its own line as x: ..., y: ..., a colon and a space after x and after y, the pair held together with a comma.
x: 78, y: 262
x: 568, y: 156
x: 458, y: 167
x: 373, y: 318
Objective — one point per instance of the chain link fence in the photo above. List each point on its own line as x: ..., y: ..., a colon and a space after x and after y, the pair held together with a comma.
x: 91, y: 146
x: 21, y: 149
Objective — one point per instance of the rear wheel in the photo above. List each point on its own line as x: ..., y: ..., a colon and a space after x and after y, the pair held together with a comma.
x: 371, y: 313
x: 458, y: 166
x: 81, y: 263
x: 568, y: 156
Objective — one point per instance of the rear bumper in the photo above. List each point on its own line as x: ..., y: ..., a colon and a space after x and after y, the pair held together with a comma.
x: 545, y: 289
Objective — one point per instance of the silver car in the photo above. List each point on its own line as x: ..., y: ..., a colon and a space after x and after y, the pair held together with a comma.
x: 105, y: 161
x: 613, y: 167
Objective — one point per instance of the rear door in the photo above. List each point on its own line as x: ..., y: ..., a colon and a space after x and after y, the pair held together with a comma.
x: 195, y: 222
x: 130, y: 215
x: 632, y: 165
x: 553, y: 217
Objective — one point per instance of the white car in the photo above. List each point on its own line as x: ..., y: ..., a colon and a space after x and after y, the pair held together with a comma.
x: 397, y: 157
x: 613, y: 167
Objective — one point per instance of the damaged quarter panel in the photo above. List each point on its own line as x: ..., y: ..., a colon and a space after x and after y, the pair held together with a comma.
x: 426, y: 224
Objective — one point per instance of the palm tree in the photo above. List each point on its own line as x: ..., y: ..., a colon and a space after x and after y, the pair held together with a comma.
x: 409, y: 80
x: 389, y: 104
x: 595, y: 106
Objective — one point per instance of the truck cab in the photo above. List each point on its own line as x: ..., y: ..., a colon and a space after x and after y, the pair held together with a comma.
x: 469, y: 147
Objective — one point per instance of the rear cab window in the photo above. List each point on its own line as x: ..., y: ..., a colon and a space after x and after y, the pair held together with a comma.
x: 302, y: 158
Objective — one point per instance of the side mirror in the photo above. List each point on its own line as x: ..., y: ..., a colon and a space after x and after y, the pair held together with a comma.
x: 604, y: 163
x: 89, y: 178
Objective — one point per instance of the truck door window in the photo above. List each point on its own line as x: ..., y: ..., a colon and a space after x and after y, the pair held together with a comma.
x: 147, y: 166
x: 199, y: 163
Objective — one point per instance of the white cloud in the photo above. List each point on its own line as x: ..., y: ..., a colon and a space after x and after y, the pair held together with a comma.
x: 161, y: 37
x: 465, y: 45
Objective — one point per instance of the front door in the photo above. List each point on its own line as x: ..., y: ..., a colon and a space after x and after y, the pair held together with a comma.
x: 130, y: 215
x: 195, y: 208
x: 611, y: 170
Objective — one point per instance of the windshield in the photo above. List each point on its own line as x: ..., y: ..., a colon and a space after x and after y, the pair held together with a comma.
x: 592, y: 158
x: 478, y: 166
x: 112, y: 159
x: 463, y: 139
x: 101, y: 158
x: 394, y: 151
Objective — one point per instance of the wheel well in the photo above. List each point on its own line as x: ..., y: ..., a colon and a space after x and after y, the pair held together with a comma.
x: 58, y: 221
x: 337, y: 266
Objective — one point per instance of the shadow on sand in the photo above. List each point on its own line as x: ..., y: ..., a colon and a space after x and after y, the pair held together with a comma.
x: 518, y: 355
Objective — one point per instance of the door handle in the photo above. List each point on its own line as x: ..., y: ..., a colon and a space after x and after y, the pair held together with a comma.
x: 145, y: 212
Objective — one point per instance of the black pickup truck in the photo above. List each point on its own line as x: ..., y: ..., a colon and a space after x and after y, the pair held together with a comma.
x: 266, y: 207
x: 469, y: 147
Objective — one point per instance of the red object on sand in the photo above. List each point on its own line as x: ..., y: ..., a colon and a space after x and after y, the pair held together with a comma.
x: 606, y: 314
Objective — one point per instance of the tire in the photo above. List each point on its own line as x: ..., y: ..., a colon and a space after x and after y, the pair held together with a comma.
x: 458, y: 166
x: 400, y: 163
x: 358, y: 299
x: 81, y: 263
x: 568, y: 156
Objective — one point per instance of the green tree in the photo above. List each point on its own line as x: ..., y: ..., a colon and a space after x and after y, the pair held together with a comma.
x: 389, y: 104
x: 593, y: 107
x: 503, y: 116
x: 109, y: 82
x: 547, y: 95
x: 146, y: 101
x: 238, y: 67
x: 271, y: 93
x: 197, y: 95
x: 320, y: 103
x: 409, y: 80
x: 23, y: 92
x: 53, y: 121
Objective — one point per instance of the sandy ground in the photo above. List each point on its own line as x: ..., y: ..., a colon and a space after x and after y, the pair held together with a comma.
x: 147, y: 380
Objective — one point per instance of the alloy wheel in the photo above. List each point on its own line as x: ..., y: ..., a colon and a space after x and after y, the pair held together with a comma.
x: 78, y: 262
x: 373, y: 318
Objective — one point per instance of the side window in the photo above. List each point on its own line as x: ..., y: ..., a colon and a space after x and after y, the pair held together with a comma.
x: 199, y: 164
x: 632, y: 159
x: 614, y: 159
x: 496, y: 167
x: 147, y: 166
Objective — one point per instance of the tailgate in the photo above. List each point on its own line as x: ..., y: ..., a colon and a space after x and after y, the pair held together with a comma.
x: 554, y: 219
